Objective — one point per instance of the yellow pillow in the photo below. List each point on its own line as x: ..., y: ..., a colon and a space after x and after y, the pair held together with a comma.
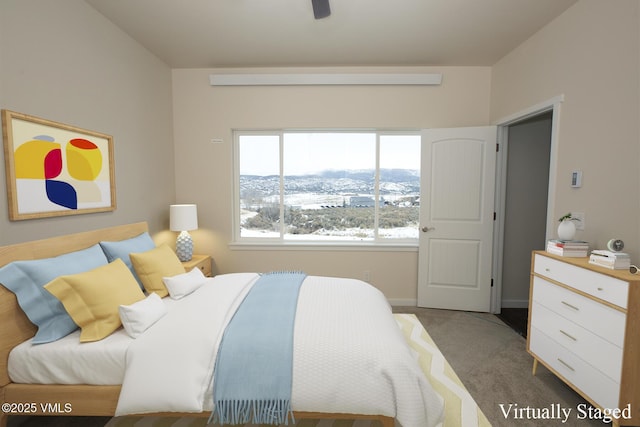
x: 92, y: 298
x: 151, y: 266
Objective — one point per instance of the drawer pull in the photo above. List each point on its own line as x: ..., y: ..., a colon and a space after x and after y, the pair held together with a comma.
x: 568, y: 335
x: 570, y: 305
x: 601, y: 289
x: 566, y: 364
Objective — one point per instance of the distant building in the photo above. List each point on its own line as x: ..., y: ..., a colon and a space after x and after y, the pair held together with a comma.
x: 362, y: 202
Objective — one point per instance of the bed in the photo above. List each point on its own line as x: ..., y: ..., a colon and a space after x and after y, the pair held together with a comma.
x: 104, y: 398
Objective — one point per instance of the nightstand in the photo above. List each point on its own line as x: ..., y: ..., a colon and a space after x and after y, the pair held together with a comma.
x: 203, y: 262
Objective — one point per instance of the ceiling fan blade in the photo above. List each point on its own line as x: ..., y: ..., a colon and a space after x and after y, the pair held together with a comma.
x: 321, y: 8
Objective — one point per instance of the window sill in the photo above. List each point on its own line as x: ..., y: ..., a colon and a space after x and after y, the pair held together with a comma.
x: 322, y: 246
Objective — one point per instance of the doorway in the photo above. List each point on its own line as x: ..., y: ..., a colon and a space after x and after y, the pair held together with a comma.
x: 527, y: 184
x: 525, y: 187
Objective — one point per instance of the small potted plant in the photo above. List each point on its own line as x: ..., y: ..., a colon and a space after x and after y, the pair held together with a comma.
x: 567, y: 227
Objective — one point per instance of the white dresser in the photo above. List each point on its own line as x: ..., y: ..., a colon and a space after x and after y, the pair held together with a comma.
x: 584, y: 326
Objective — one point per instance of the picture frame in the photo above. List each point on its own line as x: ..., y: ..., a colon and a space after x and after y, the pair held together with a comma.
x: 54, y: 169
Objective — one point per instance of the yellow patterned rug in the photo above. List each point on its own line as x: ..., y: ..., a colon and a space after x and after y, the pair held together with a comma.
x: 460, y: 408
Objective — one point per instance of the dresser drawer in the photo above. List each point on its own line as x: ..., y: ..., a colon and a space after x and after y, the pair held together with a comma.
x: 599, y: 387
x: 590, y: 347
x: 599, y: 285
x: 601, y: 320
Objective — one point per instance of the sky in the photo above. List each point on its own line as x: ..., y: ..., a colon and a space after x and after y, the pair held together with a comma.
x: 307, y: 152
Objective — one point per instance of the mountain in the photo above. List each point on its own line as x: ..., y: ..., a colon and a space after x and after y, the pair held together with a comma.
x: 392, y: 181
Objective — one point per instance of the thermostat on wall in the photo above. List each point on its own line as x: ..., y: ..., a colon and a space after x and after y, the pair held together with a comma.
x: 576, y: 179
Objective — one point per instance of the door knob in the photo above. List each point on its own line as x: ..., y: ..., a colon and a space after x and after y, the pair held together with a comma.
x: 427, y: 229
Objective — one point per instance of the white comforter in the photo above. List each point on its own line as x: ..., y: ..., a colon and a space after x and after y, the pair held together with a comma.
x: 349, y: 354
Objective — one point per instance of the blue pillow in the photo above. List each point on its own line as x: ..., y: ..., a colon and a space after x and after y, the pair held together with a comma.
x: 121, y: 249
x: 26, y: 279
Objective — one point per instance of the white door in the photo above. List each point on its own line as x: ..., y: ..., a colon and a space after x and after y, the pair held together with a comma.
x: 456, y: 216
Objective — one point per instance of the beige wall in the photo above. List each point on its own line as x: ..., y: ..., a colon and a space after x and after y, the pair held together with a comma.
x: 590, y: 55
x: 63, y: 61
x: 204, y: 170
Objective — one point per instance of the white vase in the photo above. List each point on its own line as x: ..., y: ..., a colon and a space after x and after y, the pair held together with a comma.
x: 566, y: 230
x: 184, y: 246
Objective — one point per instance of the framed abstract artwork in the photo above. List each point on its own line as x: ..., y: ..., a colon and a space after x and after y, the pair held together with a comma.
x: 55, y: 169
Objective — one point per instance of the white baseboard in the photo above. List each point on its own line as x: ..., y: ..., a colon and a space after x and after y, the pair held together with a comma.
x: 515, y: 303
x: 406, y: 302
x: 412, y: 302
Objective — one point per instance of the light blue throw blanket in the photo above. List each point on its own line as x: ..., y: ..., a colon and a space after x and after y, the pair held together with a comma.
x: 253, y: 370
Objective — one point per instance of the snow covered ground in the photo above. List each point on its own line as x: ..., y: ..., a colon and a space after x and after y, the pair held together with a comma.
x: 352, y: 234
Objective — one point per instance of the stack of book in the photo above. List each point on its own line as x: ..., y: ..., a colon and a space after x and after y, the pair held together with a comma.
x: 608, y: 259
x: 568, y: 248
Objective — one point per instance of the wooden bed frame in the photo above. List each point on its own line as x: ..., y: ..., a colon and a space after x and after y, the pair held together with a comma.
x: 84, y: 400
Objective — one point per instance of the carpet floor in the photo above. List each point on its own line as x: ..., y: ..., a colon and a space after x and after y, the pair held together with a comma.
x: 491, y: 360
x: 488, y: 356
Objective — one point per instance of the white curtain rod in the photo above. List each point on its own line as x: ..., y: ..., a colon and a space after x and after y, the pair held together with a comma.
x: 323, y: 79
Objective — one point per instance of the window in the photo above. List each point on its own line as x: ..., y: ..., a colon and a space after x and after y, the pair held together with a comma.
x: 327, y: 186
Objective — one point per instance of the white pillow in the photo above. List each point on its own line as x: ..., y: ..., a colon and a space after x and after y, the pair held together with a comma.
x: 138, y: 317
x: 182, y: 285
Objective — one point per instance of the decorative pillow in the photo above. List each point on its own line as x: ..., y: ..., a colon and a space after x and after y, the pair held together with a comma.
x: 155, y: 264
x: 139, y: 316
x: 183, y: 284
x: 27, y: 278
x: 92, y: 298
x: 121, y: 249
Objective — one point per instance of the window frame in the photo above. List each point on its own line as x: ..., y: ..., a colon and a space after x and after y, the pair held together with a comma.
x: 280, y: 242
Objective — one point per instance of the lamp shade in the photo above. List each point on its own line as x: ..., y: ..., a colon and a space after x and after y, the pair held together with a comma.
x: 183, y: 217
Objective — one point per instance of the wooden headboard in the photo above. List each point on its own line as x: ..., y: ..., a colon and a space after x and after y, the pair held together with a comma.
x: 16, y: 327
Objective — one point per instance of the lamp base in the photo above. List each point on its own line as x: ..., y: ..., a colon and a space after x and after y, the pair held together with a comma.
x: 184, y: 246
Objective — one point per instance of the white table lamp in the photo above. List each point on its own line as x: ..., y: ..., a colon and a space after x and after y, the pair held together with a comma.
x: 183, y: 218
